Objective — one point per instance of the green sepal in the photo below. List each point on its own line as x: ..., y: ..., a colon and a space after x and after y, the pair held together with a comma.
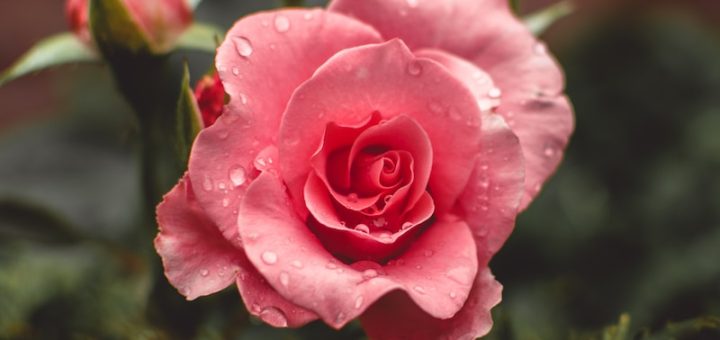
x: 187, y: 119
x: 114, y: 30
x: 539, y: 21
x: 200, y: 37
x: 59, y: 49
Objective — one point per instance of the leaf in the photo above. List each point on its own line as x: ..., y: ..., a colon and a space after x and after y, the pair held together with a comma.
x: 23, y: 220
x: 59, y: 49
x: 689, y: 329
x: 200, y: 37
x: 188, y: 117
x: 539, y: 21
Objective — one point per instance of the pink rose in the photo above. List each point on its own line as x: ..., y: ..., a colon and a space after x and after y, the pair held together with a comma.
x: 160, y: 21
x: 371, y: 160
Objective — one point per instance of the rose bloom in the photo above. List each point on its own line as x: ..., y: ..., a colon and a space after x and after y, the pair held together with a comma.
x: 160, y: 21
x: 371, y: 160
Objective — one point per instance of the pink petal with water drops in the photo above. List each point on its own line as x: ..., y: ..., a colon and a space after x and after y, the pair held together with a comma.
x: 263, y: 59
x: 443, y: 258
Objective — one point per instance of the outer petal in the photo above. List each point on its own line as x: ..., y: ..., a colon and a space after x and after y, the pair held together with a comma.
x: 396, y: 317
x: 385, y: 78
x: 487, y: 34
x: 263, y: 301
x: 198, y: 260
x: 491, y: 199
x: 76, y: 13
x: 285, y: 252
x: 162, y: 20
x: 264, y: 58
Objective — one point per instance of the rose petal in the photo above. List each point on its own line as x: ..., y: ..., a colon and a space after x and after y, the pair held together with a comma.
x: 491, y: 199
x: 530, y: 80
x: 197, y: 259
x: 264, y: 58
x: 442, y: 259
x: 263, y: 301
x: 396, y: 317
x: 388, y: 79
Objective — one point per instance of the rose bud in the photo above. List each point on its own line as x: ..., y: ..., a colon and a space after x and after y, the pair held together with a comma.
x: 210, y: 96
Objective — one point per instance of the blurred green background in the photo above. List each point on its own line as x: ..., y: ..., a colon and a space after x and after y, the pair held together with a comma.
x: 630, y: 224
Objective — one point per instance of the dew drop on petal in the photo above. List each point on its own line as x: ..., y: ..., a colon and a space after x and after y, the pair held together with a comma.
x: 549, y: 151
x: 419, y: 289
x: 453, y: 295
x: 207, y: 184
x: 243, y: 46
x: 282, y: 23
x: 412, y: 3
x: 370, y: 273
x: 284, y: 279
x: 414, y: 68
x: 273, y: 316
x: 269, y: 257
x: 540, y: 48
x: 297, y: 264
x: 380, y: 222
x: 204, y: 273
x: 406, y: 225
x: 352, y: 197
x: 428, y: 253
x: 362, y: 228
x: 238, y: 176
x: 225, y: 202
x: 494, y: 93
x: 358, y: 302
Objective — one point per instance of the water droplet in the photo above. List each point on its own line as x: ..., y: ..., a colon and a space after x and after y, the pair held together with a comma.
x: 238, y: 176
x: 419, y: 289
x: 435, y: 107
x: 453, y: 295
x: 494, y: 93
x: 343, y: 223
x: 418, y: 267
x: 284, y: 279
x: 454, y: 114
x: 225, y: 202
x: 428, y: 253
x: 406, y: 225
x: 204, y: 273
x: 380, y: 222
x: 362, y: 228
x: 243, y: 98
x: 385, y: 236
x: 282, y: 23
x: 235, y: 71
x: 331, y: 265
x: 549, y: 151
x: 460, y: 275
x: 273, y: 316
x: 340, y: 317
x: 358, y: 302
x: 484, y: 167
x: 243, y: 46
x: 412, y: 3
x: 370, y: 273
x: 221, y: 186
x: 540, y: 48
x: 297, y: 264
x: 207, y: 184
x: 309, y: 16
x: 260, y: 163
x: 415, y: 68
x: 352, y: 197
x: 269, y: 257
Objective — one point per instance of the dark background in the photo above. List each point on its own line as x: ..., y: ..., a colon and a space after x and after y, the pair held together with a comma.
x: 629, y: 224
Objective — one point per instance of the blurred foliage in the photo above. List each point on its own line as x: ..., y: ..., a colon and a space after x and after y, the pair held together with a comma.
x: 623, y: 243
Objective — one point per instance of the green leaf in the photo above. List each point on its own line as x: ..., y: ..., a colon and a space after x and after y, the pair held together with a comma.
x: 201, y: 37
x: 63, y: 48
x: 539, y: 21
x: 115, y: 31
x: 689, y: 329
x: 20, y: 220
x: 188, y: 115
